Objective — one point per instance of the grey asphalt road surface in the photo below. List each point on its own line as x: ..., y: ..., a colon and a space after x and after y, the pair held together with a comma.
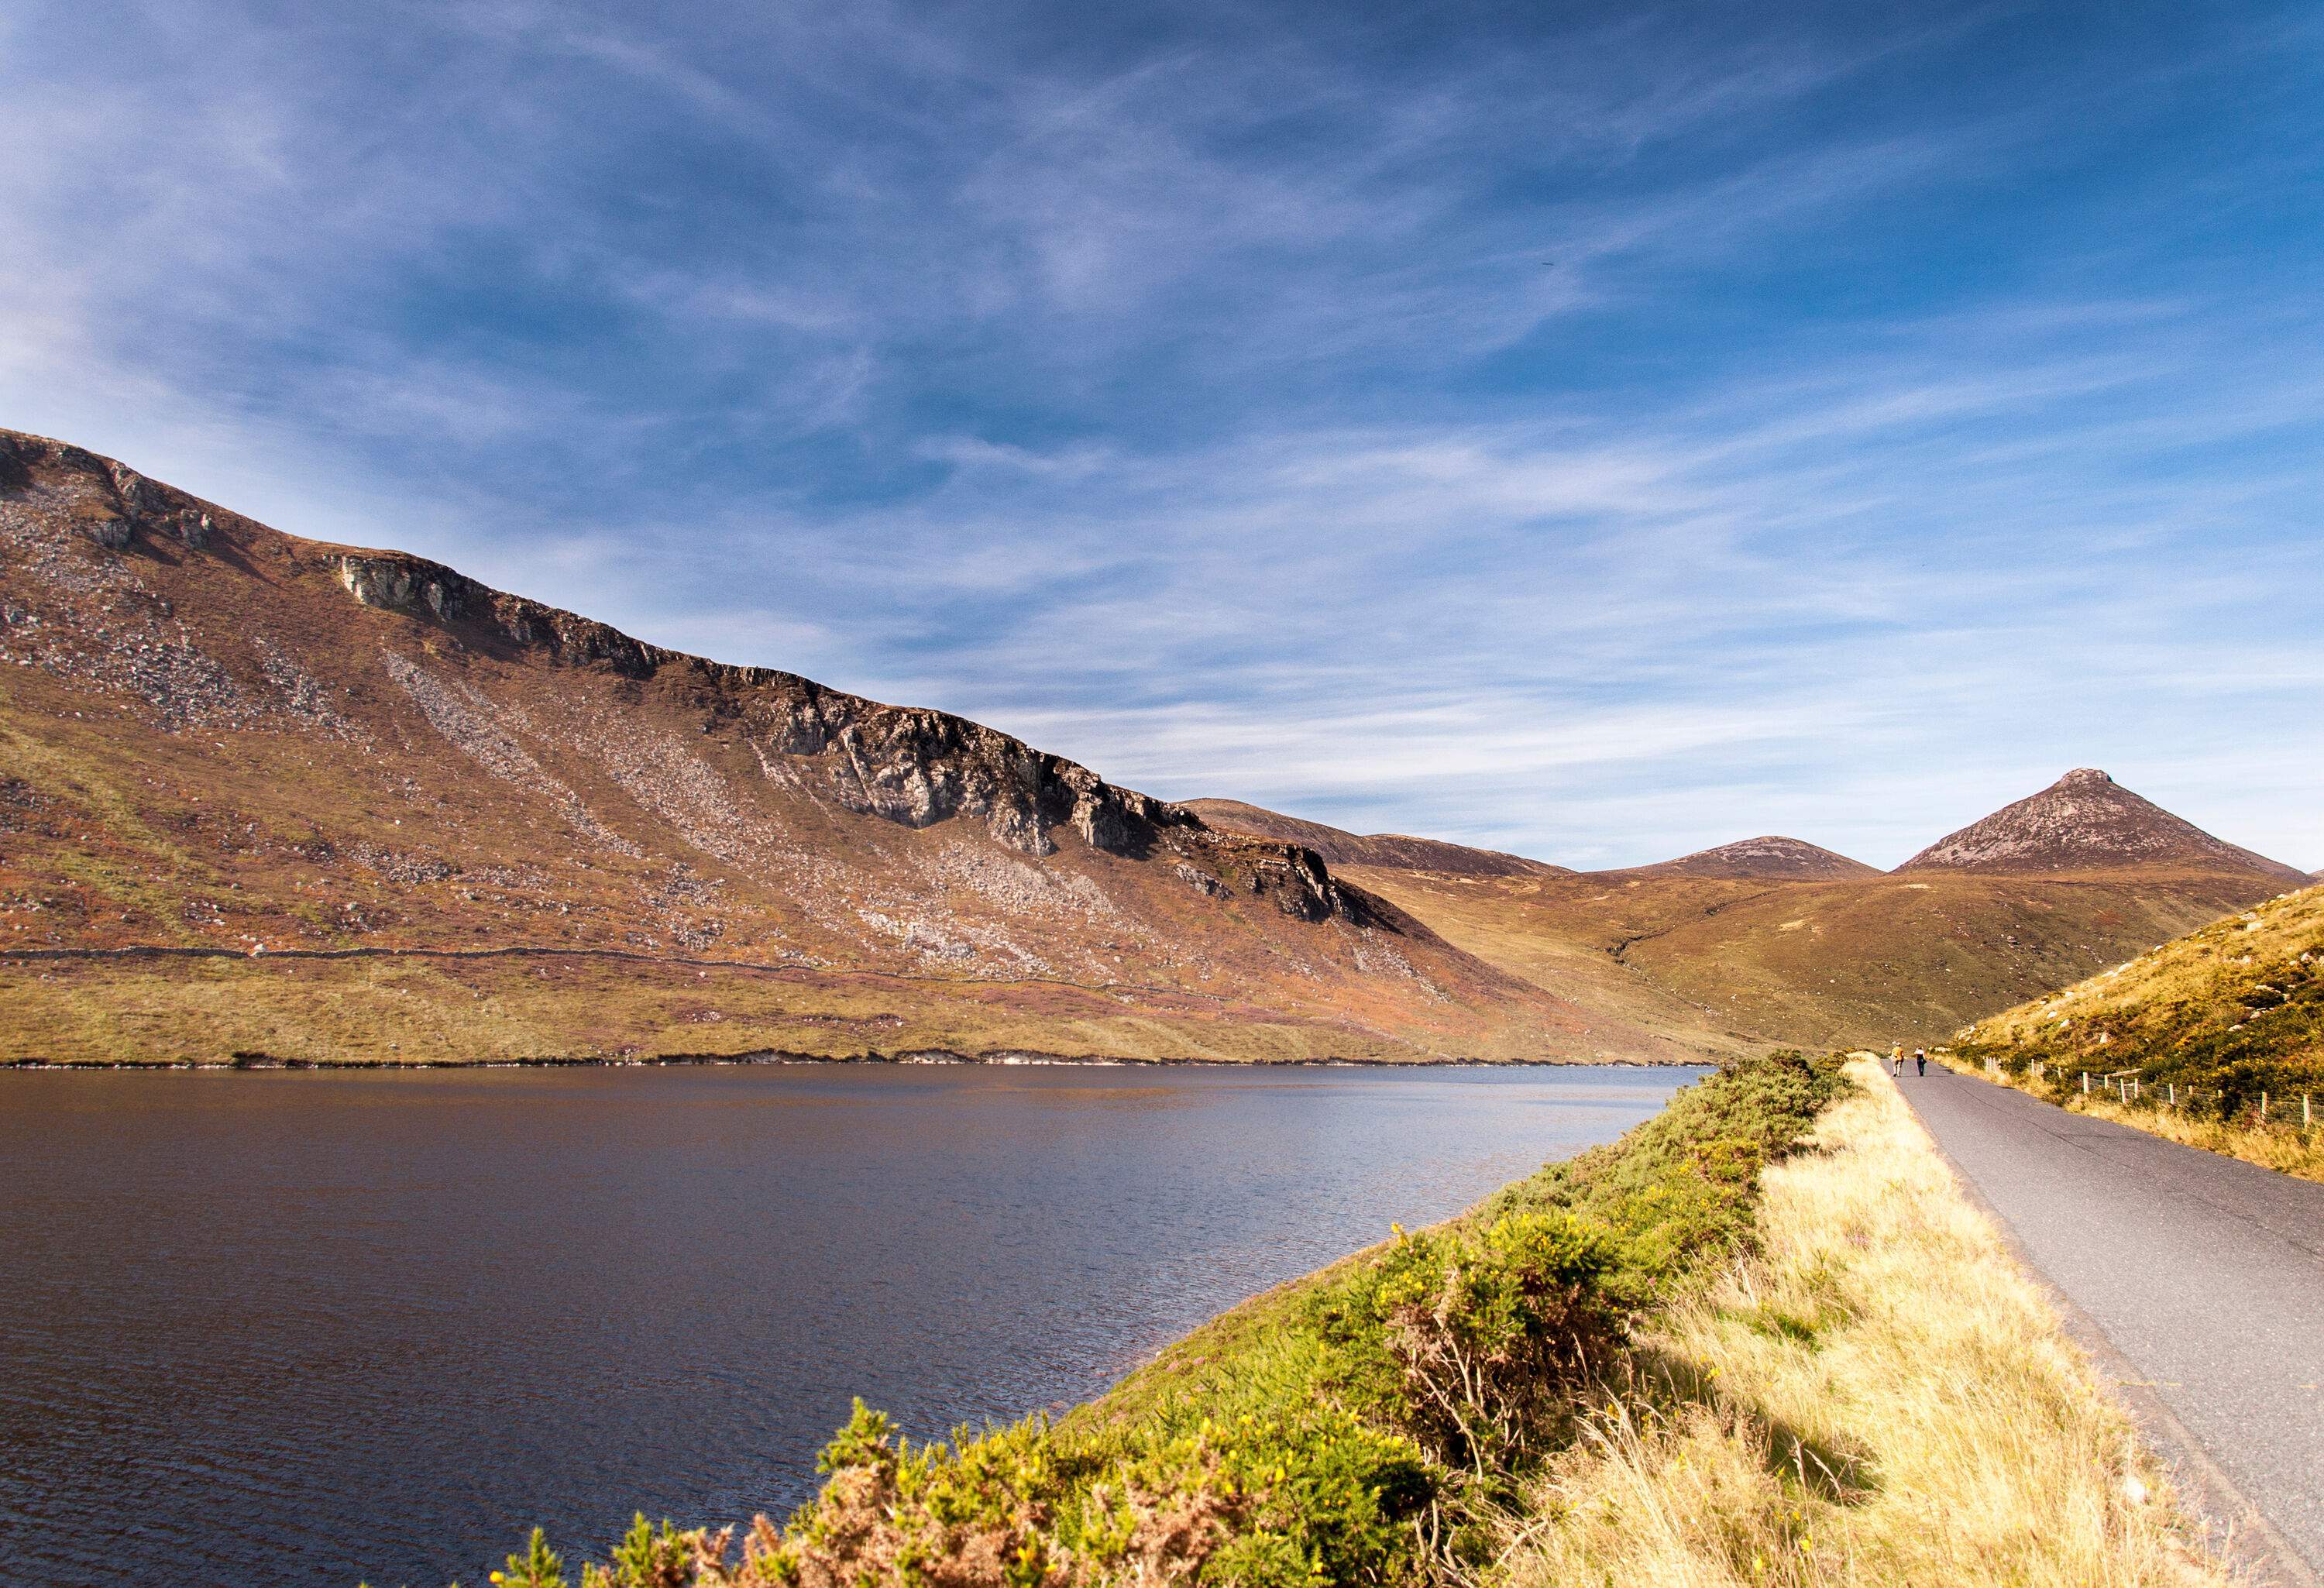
x: 2205, y: 1276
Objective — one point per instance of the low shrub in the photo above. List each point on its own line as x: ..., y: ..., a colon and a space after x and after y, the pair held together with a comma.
x: 1482, y: 1331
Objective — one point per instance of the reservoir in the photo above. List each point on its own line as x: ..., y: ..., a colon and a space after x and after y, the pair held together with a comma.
x: 307, y: 1327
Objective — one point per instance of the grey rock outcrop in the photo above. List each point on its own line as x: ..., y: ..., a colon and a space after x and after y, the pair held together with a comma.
x: 919, y: 767
x: 908, y: 765
x: 116, y: 501
x: 402, y: 584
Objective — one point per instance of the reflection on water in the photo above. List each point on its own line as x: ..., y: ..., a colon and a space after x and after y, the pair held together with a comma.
x: 303, y: 1327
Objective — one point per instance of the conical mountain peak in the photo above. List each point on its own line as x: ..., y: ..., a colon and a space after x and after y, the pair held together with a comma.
x: 2086, y: 821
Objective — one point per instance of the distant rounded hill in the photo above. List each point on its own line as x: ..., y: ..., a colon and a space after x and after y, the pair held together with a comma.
x: 2086, y: 821
x: 1393, y: 851
x: 1770, y: 858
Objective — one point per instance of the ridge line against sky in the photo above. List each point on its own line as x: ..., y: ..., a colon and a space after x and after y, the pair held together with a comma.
x: 1599, y: 436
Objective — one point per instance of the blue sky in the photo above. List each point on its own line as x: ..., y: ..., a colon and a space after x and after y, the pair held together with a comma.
x: 1596, y: 432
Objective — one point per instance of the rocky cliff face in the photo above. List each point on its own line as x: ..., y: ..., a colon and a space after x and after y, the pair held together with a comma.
x: 2087, y: 821
x: 118, y: 504
x: 915, y: 767
x: 910, y: 766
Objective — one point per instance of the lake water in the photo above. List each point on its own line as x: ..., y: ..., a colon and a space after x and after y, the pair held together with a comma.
x: 305, y: 1327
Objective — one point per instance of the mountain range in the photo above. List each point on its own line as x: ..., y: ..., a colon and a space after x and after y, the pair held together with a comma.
x: 271, y: 799
x: 1775, y: 939
x: 1394, y: 851
x: 266, y: 796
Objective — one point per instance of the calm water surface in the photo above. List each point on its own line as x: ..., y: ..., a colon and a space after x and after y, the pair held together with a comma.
x: 304, y: 1327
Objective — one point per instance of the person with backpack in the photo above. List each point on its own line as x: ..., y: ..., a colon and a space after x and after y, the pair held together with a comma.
x: 1896, y: 1058
x: 1921, y: 1060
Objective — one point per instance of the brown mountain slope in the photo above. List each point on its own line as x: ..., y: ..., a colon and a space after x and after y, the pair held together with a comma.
x: 1522, y: 925
x: 2087, y: 821
x: 1396, y: 850
x: 1891, y: 959
x: 1770, y: 858
x: 261, y: 794
x: 1865, y: 958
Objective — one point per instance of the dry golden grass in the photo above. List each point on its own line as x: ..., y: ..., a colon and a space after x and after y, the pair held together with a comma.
x: 2180, y: 987
x: 1732, y: 964
x: 1880, y: 1397
x: 2285, y: 1149
x: 1508, y: 922
x: 2281, y: 1148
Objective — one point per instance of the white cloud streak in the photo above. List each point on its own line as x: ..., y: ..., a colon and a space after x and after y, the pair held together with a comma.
x: 1231, y: 410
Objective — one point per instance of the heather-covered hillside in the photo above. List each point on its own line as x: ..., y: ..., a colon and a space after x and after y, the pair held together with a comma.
x: 266, y: 796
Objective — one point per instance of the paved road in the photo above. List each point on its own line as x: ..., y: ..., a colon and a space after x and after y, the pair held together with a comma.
x: 2203, y: 1274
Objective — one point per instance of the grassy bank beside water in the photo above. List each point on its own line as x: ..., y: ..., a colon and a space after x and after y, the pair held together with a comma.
x: 1700, y: 1355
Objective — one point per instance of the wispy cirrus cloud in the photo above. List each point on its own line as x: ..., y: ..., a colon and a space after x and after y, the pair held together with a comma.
x: 1598, y: 434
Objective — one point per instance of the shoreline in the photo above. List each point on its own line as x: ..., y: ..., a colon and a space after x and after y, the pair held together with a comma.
x: 1775, y: 1269
x: 530, y: 1006
x: 993, y: 1058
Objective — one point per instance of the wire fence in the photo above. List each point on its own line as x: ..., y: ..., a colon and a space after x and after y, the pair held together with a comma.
x: 2294, y: 1109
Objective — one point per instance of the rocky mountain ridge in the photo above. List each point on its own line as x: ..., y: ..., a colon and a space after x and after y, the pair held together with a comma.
x: 1772, y: 939
x: 214, y: 734
x: 2084, y: 821
x: 267, y: 796
x: 1395, y: 850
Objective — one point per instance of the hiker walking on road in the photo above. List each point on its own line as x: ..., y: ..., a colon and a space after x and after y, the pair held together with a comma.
x: 1921, y: 1060
x: 1896, y: 1058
